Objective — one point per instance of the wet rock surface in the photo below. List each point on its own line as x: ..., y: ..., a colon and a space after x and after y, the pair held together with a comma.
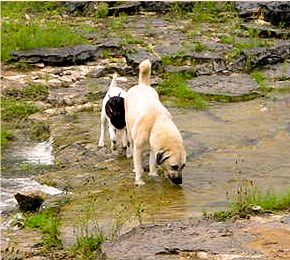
x: 200, y: 239
x: 226, y: 85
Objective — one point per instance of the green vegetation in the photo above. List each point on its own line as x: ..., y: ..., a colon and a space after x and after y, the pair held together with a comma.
x: 48, y: 222
x: 117, y: 23
x: 39, y: 131
x: 261, y: 80
x: 197, y: 47
x: 24, y: 20
x: 88, y: 247
x: 30, y: 92
x: 212, y: 12
x: 6, y: 136
x: 12, y: 110
x: 51, y: 34
x: 175, y: 86
x: 247, y: 200
x: 35, y: 92
x: 128, y: 38
x: 20, y: 8
x: 102, y: 10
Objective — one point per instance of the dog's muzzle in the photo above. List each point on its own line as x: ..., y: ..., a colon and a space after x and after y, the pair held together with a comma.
x: 176, y: 180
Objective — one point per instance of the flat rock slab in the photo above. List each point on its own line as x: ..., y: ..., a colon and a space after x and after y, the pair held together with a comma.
x: 134, y: 59
x: 274, y: 12
x: 267, y: 31
x: 56, y: 56
x: 162, y: 241
x: 64, y: 56
x: 233, y: 85
x: 205, y: 240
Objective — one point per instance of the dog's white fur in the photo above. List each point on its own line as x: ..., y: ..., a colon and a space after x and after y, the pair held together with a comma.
x: 112, y: 91
x: 149, y: 122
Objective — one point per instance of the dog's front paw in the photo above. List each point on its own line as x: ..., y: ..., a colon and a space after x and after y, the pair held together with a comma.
x: 101, y: 145
x: 139, y: 182
x: 153, y: 174
x: 128, y: 154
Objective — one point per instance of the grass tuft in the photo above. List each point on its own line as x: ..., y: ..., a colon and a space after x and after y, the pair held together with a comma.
x: 88, y: 247
x: 102, y: 10
x: 247, y: 200
x: 48, y: 222
x: 175, y: 86
x: 6, y: 136
x: 12, y: 110
x: 260, y: 78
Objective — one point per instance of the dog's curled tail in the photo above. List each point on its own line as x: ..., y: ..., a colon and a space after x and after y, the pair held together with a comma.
x: 114, y: 79
x: 145, y: 72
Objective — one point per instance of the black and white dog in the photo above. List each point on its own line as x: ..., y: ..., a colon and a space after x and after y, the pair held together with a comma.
x: 113, y: 114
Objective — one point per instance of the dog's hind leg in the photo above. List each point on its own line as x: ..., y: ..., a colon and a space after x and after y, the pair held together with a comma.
x: 152, y: 164
x: 137, y: 157
x: 129, y: 142
x: 113, y: 136
x: 103, y: 129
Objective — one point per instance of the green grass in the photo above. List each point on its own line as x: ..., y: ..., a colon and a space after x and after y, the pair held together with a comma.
x: 39, y: 131
x: 19, y: 8
x: 35, y: 92
x: 102, y: 10
x: 247, y: 200
x: 88, y: 247
x: 13, y: 110
x: 50, y: 34
x: 260, y: 78
x: 48, y: 222
x: 197, y: 47
x: 21, y: 33
x: 175, y: 86
x: 6, y: 136
x: 211, y: 12
x: 117, y: 23
x: 128, y: 38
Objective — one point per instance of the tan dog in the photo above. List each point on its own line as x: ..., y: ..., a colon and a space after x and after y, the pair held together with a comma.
x: 149, y: 122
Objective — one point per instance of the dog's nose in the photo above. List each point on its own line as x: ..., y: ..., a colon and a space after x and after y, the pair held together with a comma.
x: 176, y: 180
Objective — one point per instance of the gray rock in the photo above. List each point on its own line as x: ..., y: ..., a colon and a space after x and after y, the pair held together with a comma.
x: 80, y: 8
x: 163, y: 6
x: 65, y: 56
x: 286, y: 219
x: 200, y: 236
x: 128, y: 8
x: 234, y: 85
x: 263, y: 56
x: 259, y: 57
x: 278, y: 13
x: 134, y: 59
x: 267, y: 31
x: 279, y: 71
x: 56, y: 56
x: 247, y: 9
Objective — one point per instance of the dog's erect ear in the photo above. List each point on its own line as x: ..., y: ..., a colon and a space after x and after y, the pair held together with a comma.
x: 119, y: 94
x: 161, y: 158
x: 109, y: 110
